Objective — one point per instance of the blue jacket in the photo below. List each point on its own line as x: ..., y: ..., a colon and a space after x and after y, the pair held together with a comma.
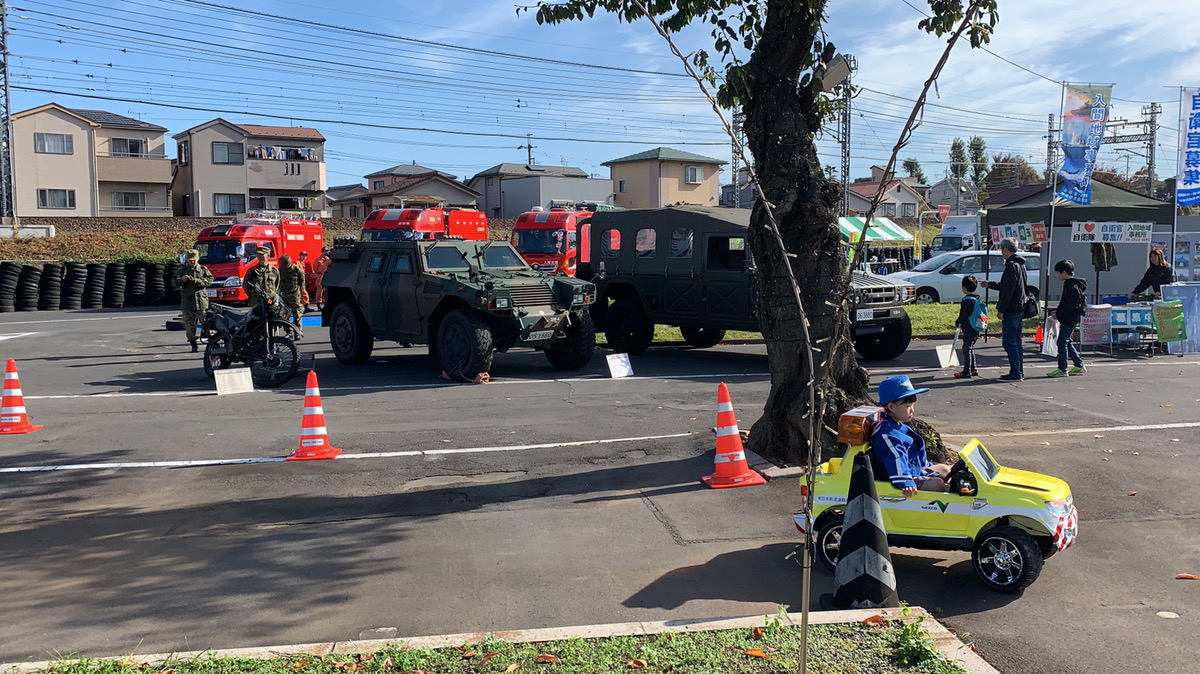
x: 901, y: 451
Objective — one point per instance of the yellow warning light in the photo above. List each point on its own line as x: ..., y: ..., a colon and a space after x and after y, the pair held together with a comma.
x: 854, y: 426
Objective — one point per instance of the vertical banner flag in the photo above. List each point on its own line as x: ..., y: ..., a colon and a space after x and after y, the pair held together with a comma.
x: 1084, y: 119
x: 1187, y: 192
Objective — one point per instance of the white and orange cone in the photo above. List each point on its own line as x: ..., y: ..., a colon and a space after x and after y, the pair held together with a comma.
x: 13, y: 419
x: 731, y: 467
x: 314, y: 440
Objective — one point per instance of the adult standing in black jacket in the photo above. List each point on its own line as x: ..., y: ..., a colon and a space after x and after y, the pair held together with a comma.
x: 1157, y: 275
x: 1010, y: 308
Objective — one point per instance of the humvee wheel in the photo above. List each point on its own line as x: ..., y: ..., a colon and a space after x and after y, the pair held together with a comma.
x: 464, y: 345
x: 828, y: 542
x: 1007, y: 559
x: 889, y: 344
x: 626, y: 327
x: 702, y: 338
x: 349, y: 335
x: 574, y: 349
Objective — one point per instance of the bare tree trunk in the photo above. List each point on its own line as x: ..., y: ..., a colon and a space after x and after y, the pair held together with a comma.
x: 786, y: 158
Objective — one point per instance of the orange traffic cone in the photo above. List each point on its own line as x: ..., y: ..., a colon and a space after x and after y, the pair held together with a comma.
x: 314, y: 441
x: 13, y: 419
x: 1037, y: 336
x: 731, y: 468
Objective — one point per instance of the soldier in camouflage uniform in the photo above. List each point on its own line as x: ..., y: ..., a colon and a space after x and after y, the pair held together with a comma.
x: 291, y: 287
x: 262, y: 280
x: 192, y: 279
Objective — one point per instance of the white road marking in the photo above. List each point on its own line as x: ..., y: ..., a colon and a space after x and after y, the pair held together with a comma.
x: 371, y: 455
x: 79, y: 320
x: 16, y: 334
x: 1093, y: 429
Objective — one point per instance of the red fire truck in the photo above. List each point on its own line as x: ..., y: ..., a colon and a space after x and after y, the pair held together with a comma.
x: 427, y: 222
x: 228, y: 250
x: 549, y: 240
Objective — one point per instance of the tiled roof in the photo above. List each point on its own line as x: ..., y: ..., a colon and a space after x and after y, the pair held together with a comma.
x: 111, y: 119
x: 1012, y: 195
x: 532, y: 170
x: 296, y: 132
x: 665, y: 154
x: 407, y: 170
x: 409, y: 183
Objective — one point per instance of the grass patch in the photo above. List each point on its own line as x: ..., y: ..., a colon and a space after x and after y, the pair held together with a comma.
x: 854, y: 648
x: 938, y: 319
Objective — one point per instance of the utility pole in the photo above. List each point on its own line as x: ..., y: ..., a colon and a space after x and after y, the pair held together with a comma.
x: 1051, y: 149
x: 847, y: 90
x: 6, y: 176
x: 528, y: 146
x: 736, y: 164
x: 1151, y: 112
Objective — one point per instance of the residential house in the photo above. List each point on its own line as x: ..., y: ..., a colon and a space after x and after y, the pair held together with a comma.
x: 70, y: 162
x: 392, y: 190
x: 960, y: 194
x: 224, y: 169
x: 1011, y: 195
x: 665, y: 176
x: 900, y: 197
x: 508, y: 190
x: 739, y: 195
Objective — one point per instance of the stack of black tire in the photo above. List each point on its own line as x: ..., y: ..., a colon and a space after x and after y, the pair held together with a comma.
x: 93, y: 289
x: 10, y: 274
x: 50, y: 287
x: 27, y: 288
x: 71, y: 294
x: 135, y: 284
x: 156, y: 285
x: 114, y: 286
x: 168, y: 274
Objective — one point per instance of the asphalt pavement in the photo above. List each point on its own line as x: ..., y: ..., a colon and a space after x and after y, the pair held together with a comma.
x: 542, y: 499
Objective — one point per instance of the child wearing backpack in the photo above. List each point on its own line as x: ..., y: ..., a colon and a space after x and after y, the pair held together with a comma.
x: 972, y: 320
x: 1071, y: 307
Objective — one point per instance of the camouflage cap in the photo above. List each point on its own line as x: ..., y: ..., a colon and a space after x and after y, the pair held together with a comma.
x: 192, y: 254
x: 262, y: 252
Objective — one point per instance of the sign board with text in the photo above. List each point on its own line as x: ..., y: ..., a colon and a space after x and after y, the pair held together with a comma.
x: 1097, y: 325
x: 1021, y: 232
x: 1111, y: 232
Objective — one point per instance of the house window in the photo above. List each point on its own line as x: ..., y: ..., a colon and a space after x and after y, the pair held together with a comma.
x: 489, y: 182
x: 229, y: 204
x: 54, y: 143
x: 908, y: 210
x: 129, y: 201
x: 621, y: 186
x: 887, y: 210
x: 695, y: 175
x: 183, y: 152
x: 127, y: 147
x: 377, y: 185
x: 56, y: 199
x: 227, y: 153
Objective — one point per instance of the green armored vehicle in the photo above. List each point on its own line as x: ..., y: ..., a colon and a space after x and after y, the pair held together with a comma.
x: 690, y: 266
x: 465, y: 299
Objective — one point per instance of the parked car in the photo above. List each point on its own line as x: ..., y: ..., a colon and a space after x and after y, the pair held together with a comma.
x: 939, y: 279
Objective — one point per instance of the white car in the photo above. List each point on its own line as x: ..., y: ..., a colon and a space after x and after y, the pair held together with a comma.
x: 939, y: 279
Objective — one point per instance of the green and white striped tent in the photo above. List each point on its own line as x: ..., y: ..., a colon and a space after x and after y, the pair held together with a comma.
x: 882, y: 229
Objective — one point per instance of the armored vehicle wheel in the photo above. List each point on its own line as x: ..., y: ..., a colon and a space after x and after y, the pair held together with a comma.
x: 349, y: 335
x: 702, y: 338
x: 574, y: 349
x: 464, y: 345
x: 828, y: 542
x: 274, y: 366
x: 216, y: 354
x: 1007, y: 559
x: 626, y: 327
x: 888, y: 344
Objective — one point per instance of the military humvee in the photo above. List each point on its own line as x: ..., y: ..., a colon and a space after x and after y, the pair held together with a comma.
x: 690, y: 266
x: 465, y: 299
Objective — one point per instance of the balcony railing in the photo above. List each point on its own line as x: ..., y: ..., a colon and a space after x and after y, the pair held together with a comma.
x: 138, y: 209
x: 133, y: 155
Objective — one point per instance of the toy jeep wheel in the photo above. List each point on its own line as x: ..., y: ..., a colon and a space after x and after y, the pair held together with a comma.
x: 828, y: 542
x: 464, y: 345
x: 626, y: 327
x: 702, y: 338
x: 349, y: 335
x: 574, y: 349
x: 1007, y: 559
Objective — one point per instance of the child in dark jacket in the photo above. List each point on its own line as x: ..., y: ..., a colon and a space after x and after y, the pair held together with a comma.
x: 1070, y: 310
x: 969, y: 334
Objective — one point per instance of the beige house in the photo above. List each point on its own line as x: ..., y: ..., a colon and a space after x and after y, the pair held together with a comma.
x: 664, y: 176
x: 900, y: 198
x: 224, y: 169
x: 395, y: 189
x: 88, y: 163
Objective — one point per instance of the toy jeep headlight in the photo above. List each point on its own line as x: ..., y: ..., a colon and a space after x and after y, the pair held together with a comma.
x: 1061, y: 507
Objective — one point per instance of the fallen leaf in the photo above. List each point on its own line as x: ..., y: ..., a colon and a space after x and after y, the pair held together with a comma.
x: 301, y: 664
x: 165, y: 671
x: 1187, y: 576
x: 445, y: 376
x: 873, y: 619
x: 548, y: 658
x: 365, y: 658
x: 772, y: 649
x: 755, y: 653
x: 637, y: 664
x: 447, y: 440
x: 1108, y: 451
x: 388, y: 664
x: 1167, y: 614
x: 1174, y: 439
x: 1046, y: 444
x: 468, y: 655
x: 125, y: 662
x: 482, y: 378
x: 1108, y: 394
x: 1167, y: 405
x: 756, y: 633
x: 209, y: 434
x: 1135, y: 453
x: 1049, y: 397
x: 1133, y: 493
x: 513, y: 667
x: 1106, y: 458
x: 1097, y: 436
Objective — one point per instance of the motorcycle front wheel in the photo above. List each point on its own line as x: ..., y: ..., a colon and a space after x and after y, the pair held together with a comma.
x: 273, y: 367
x: 216, y: 354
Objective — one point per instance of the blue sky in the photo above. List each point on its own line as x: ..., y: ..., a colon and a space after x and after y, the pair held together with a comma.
x: 456, y: 85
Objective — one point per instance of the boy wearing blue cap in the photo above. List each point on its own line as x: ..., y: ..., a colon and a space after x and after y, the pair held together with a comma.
x: 900, y: 449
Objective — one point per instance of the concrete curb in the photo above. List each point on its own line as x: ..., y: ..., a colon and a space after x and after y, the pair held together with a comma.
x: 944, y: 640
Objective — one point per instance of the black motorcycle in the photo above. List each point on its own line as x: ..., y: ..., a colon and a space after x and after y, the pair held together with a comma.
x: 261, y: 337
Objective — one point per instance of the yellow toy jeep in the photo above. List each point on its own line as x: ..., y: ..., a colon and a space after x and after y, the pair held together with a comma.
x: 1011, y: 520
